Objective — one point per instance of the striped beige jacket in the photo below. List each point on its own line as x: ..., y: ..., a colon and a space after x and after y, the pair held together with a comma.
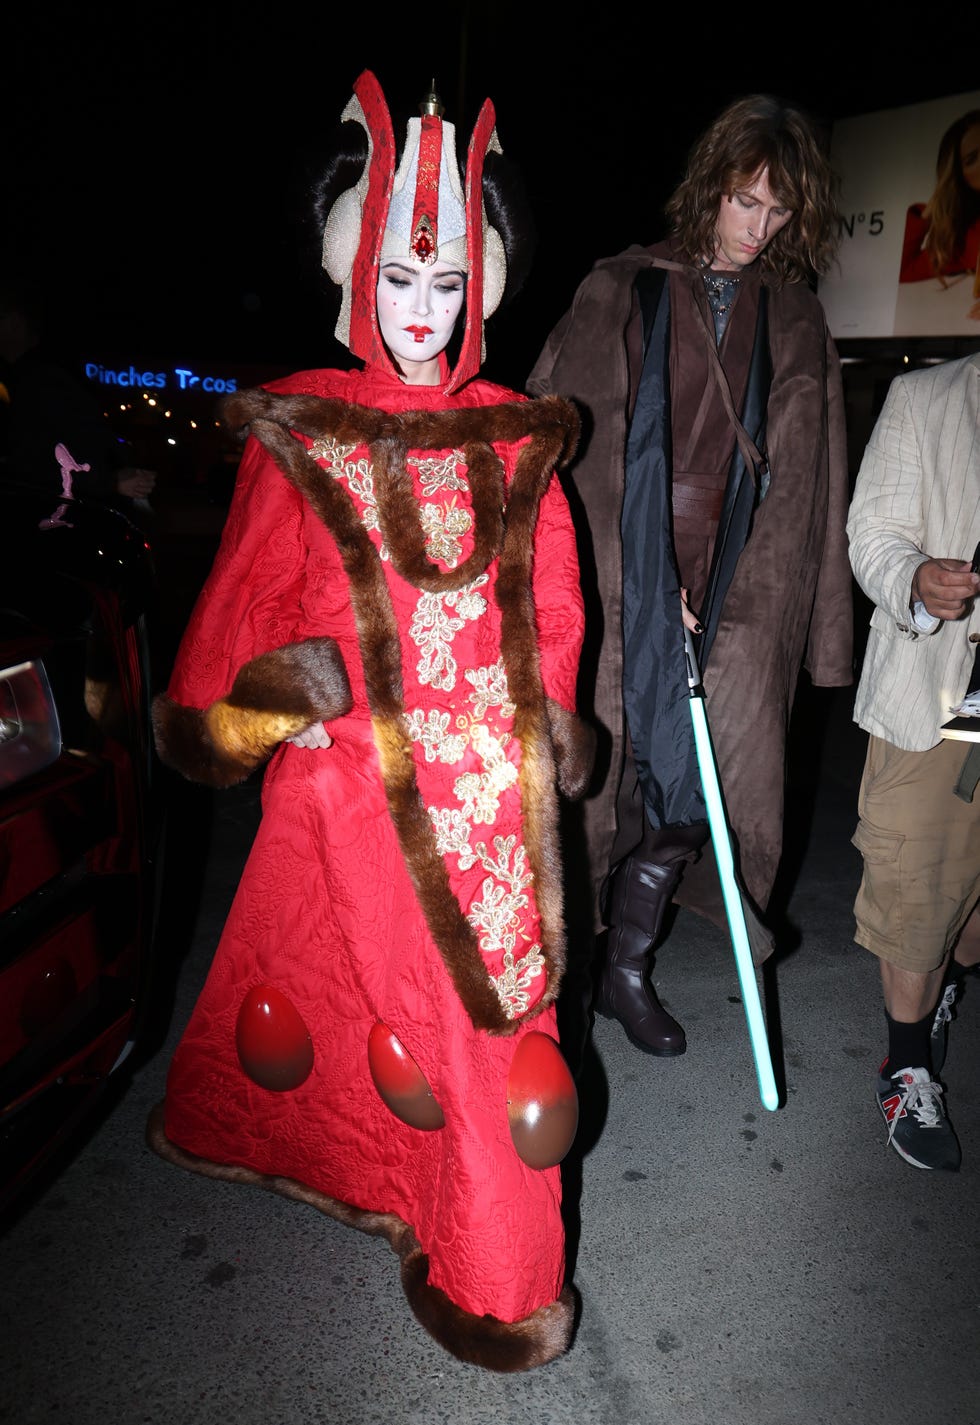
x: 917, y: 496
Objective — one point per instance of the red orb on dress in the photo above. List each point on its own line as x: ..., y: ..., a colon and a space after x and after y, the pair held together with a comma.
x: 542, y: 1104
x: 274, y: 1044
x: 400, y: 1082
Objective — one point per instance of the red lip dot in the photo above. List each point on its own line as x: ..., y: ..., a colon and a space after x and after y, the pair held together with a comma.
x: 400, y: 1082
x: 542, y: 1103
x: 274, y: 1045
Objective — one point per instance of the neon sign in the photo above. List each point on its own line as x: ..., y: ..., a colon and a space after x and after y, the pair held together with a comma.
x: 181, y: 378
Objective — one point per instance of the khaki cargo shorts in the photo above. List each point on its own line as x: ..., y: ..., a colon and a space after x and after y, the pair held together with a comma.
x: 921, y: 850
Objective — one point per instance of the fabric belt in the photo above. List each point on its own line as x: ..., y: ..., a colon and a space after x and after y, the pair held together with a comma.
x: 693, y: 502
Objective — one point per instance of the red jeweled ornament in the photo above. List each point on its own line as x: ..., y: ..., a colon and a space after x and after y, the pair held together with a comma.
x: 542, y: 1104
x: 274, y: 1044
x: 423, y: 243
x: 400, y: 1082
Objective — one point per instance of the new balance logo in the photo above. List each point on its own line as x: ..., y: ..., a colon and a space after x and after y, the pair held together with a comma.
x: 890, y: 1106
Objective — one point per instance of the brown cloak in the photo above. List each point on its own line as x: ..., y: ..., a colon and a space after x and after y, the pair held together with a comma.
x: 790, y: 601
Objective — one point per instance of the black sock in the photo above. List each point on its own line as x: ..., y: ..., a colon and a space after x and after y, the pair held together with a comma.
x: 908, y: 1044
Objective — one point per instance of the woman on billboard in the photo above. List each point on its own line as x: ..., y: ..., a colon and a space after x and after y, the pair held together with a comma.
x: 942, y: 236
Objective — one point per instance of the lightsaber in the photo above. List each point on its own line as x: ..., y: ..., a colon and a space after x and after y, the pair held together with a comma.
x: 722, y: 842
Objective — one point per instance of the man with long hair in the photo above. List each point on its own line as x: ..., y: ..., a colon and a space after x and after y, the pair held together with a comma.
x: 712, y: 494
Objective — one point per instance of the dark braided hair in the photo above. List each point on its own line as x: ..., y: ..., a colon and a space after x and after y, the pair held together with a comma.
x: 504, y: 196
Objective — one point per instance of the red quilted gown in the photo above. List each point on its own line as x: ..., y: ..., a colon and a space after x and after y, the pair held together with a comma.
x: 326, y: 938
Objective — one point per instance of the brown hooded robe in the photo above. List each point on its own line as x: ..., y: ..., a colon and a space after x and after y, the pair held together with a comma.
x: 790, y: 600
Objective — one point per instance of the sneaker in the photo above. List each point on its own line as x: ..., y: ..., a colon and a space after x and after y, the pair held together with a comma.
x: 939, y: 1034
x: 911, y: 1102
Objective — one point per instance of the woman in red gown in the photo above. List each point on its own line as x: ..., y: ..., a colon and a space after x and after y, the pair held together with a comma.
x: 942, y: 237
x: 394, y: 615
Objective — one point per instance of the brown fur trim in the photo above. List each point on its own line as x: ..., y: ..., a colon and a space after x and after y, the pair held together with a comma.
x: 506, y: 1346
x: 398, y: 516
x: 315, y: 416
x: 574, y: 742
x: 519, y: 647
x: 273, y: 697
x: 504, y: 524
x: 480, y: 1340
x: 381, y: 654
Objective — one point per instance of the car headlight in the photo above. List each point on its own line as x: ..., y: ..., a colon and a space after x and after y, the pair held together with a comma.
x: 30, y: 734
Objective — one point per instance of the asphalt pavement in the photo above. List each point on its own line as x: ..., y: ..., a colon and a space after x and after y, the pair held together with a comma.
x: 735, y: 1265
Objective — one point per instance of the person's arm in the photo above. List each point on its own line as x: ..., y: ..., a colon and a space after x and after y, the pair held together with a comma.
x: 560, y: 620
x: 885, y: 531
x: 250, y: 601
x: 248, y: 673
x: 916, y: 262
x: 539, y: 383
x: 830, y: 641
x: 884, y: 521
x: 572, y: 343
x: 557, y: 597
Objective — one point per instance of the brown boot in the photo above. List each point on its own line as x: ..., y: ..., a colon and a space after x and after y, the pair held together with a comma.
x: 640, y: 894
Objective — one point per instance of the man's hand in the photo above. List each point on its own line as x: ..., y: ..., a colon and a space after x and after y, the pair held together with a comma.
x: 312, y: 737
x: 945, y: 586
x: 688, y: 615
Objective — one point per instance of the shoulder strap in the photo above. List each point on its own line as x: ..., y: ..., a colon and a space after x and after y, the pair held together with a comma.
x: 751, y: 454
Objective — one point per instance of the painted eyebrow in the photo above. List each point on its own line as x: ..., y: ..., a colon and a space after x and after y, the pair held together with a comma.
x: 413, y: 271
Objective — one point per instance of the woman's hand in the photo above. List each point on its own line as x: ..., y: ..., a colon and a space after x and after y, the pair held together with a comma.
x: 312, y: 737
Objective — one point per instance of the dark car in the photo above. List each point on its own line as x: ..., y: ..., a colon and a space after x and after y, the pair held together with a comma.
x: 81, y: 821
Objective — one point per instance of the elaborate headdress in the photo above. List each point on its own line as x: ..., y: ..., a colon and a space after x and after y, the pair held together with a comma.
x: 422, y: 211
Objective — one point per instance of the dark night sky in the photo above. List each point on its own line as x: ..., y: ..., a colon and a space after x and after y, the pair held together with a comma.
x: 158, y: 161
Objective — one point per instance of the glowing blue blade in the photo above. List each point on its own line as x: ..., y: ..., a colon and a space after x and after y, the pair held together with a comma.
x: 721, y: 841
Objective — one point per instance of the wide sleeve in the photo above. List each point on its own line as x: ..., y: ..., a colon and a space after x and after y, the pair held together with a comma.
x: 560, y: 623
x: 249, y: 672
x: 540, y: 382
x: 830, y: 645
x: 251, y: 599
x: 557, y: 596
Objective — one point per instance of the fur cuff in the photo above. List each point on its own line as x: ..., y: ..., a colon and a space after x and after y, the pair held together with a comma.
x: 574, y: 743
x: 273, y: 697
x: 506, y: 1346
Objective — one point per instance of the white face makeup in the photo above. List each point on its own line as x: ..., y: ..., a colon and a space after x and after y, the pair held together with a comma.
x: 747, y: 222
x: 417, y: 310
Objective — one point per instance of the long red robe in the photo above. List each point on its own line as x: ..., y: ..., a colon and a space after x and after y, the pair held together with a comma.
x: 326, y: 913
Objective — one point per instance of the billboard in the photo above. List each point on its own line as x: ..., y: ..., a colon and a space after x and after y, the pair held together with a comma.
x: 897, y: 209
